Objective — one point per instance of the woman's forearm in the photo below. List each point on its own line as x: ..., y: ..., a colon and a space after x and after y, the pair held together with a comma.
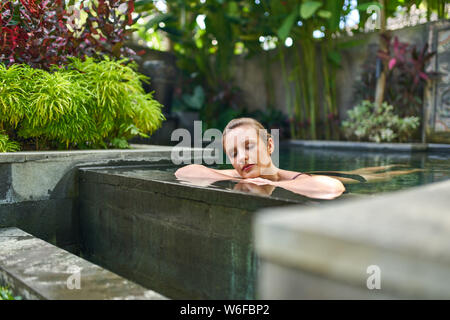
x: 200, y: 171
x: 321, y: 187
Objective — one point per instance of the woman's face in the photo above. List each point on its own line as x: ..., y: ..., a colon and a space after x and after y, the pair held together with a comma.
x: 249, y: 155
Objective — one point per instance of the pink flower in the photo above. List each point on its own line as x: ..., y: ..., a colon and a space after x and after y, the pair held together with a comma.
x: 392, y: 63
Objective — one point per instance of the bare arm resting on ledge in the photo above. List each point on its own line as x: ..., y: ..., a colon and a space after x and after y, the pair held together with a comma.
x: 320, y: 187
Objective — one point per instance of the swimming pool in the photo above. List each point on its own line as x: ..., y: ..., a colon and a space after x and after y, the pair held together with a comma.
x: 193, y: 242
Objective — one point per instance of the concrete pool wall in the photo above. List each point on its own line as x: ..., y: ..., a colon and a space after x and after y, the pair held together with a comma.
x: 39, y: 190
x: 184, y: 241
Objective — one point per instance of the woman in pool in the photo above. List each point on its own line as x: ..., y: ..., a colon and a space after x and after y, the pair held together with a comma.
x: 249, y: 147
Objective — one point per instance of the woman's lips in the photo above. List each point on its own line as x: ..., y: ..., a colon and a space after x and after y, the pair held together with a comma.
x: 248, y: 167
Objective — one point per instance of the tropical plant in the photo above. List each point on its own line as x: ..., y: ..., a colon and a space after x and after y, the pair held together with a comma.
x: 87, y: 104
x: 205, y: 54
x: 6, y: 294
x: 313, y: 59
x: 388, y: 8
x: 405, y: 80
x: 6, y: 145
x: 104, y: 29
x: 367, y: 123
x: 302, y: 36
x: 45, y: 33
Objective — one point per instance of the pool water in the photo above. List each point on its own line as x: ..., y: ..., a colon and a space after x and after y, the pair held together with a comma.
x: 434, y: 166
x: 425, y: 167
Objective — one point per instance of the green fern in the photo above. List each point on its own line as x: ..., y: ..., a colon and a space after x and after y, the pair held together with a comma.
x: 122, y: 108
x: 6, y: 145
x: 13, y: 93
x: 87, y: 104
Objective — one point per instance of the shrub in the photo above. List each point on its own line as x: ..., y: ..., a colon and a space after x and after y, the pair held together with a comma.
x: 44, y: 33
x: 6, y: 145
x: 6, y: 294
x: 365, y: 123
x: 87, y: 104
x: 406, y: 78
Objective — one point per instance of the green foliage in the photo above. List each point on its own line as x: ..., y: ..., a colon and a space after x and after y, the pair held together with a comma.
x: 87, y: 104
x: 205, y: 55
x: 206, y: 52
x: 365, y: 123
x: 12, y: 93
x: 6, y: 294
x: 190, y: 102
x: 308, y: 8
x: 6, y: 145
x: 287, y: 25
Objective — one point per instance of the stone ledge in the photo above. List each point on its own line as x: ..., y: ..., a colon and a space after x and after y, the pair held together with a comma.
x: 405, y: 233
x: 138, y: 151
x: 159, y: 182
x: 35, y: 269
x: 354, y: 145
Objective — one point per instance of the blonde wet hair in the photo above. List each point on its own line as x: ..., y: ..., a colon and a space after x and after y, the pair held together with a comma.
x: 238, y: 122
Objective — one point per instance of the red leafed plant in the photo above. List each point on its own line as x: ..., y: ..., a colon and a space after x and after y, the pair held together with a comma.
x: 408, y: 59
x: 37, y: 32
x: 106, y: 31
x: 406, y: 78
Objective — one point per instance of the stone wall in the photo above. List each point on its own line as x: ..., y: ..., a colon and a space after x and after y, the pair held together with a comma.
x: 39, y: 190
x: 184, y: 241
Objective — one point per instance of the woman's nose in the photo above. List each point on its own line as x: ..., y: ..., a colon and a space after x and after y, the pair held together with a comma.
x: 242, y: 157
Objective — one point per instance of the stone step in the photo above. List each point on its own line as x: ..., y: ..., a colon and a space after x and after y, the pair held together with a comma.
x: 36, y: 269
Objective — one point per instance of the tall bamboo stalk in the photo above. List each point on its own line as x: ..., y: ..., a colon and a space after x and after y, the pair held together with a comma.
x: 287, y: 91
x: 328, y: 108
x: 309, y: 54
x: 304, y: 84
x: 268, y: 81
x: 301, y: 91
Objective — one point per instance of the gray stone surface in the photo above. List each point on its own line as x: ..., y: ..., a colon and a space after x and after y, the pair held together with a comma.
x: 353, y: 145
x: 406, y: 234
x: 439, y: 147
x: 280, y: 282
x: 150, y: 150
x: 35, y: 269
x: 39, y: 190
x: 54, y: 220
